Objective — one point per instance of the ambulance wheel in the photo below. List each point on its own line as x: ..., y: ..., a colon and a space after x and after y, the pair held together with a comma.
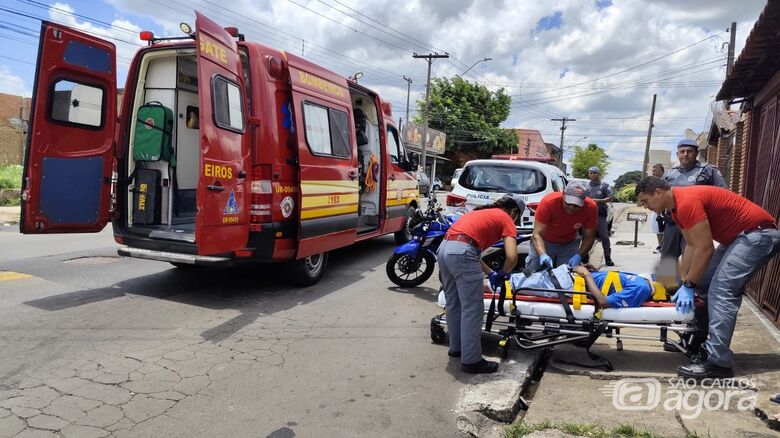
x: 308, y: 270
x: 405, y: 234
x: 438, y: 335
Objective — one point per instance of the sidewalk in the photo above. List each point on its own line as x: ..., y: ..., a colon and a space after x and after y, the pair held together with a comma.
x: 571, y: 394
x: 9, y: 215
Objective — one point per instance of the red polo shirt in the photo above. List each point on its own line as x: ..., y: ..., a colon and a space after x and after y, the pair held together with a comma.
x: 728, y: 213
x: 486, y: 227
x: 562, y: 227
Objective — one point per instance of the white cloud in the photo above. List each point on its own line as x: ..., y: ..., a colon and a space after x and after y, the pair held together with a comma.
x: 12, y: 84
x: 589, y: 44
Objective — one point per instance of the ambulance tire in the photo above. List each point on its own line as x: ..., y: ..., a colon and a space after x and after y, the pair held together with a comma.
x: 405, y: 234
x: 308, y: 270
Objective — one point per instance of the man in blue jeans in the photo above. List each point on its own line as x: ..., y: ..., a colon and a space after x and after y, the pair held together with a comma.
x: 748, y: 238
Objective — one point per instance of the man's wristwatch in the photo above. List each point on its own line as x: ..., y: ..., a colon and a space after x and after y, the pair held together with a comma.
x: 689, y: 284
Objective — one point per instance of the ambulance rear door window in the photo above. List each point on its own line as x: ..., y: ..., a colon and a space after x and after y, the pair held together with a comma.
x: 228, y: 107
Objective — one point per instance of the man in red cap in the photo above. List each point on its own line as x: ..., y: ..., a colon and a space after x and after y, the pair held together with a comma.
x: 557, y: 220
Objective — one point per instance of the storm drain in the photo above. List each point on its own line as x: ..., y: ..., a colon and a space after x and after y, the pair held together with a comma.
x: 98, y: 260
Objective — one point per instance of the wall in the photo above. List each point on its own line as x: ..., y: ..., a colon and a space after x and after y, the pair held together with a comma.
x: 11, y: 128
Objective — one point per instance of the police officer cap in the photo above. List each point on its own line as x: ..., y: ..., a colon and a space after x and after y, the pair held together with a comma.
x: 686, y: 143
x: 594, y: 169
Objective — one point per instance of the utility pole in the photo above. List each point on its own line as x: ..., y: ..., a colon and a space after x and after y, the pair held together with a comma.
x: 563, y: 128
x: 408, y: 90
x: 429, y: 57
x: 646, y: 161
x: 730, y: 62
x: 732, y: 41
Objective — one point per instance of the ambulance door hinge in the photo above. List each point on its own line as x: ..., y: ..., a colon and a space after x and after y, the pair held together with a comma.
x: 254, y: 122
x: 292, y: 161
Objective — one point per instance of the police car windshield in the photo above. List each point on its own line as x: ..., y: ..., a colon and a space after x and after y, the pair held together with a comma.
x: 506, y: 179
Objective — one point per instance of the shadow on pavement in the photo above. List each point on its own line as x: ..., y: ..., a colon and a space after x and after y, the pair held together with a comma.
x: 253, y: 289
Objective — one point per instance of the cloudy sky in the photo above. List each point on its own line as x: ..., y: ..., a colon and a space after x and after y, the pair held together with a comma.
x: 597, y: 61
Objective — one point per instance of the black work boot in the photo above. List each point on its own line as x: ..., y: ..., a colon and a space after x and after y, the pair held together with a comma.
x: 704, y: 370
x: 609, y: 261
x: 483, y: 366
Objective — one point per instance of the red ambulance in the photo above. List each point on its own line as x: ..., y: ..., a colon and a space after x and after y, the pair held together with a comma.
x: 223, y: 150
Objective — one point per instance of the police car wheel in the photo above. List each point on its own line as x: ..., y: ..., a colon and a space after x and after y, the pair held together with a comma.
x: 308, y: 270
x: 405, y: 234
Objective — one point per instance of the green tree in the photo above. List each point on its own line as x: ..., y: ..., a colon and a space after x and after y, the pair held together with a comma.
x: 631, y: 177
x: 585, y: 157
x: 471, y: 116
x: 626, y: 193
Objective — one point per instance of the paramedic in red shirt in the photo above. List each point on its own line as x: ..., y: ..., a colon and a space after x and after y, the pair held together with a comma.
x: 461, y: 269
x: 748, y: 239
x: 558, y: 219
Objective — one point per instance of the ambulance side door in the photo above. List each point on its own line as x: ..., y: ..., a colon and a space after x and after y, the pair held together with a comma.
x: 327, y: 158
x: 222, y: 222
x: 70, y: 143
x: 402, y: 186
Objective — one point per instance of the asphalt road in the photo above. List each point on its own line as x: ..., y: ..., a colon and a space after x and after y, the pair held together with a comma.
x: 97, y: 345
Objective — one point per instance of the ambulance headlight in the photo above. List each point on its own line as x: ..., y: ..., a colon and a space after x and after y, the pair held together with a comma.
x: 287, y: 206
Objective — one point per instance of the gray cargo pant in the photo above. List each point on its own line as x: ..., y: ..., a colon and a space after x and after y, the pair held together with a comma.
x: 560, y: 253
x: 460, y: 273
x: 730, y: 268
x: 602, y: 232
x: 673, y: 244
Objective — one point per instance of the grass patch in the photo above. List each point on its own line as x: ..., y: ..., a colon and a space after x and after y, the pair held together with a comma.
x: 589, y: 430
x: 11, y: 177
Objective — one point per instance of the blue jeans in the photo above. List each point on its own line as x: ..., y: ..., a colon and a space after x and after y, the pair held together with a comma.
x: 560, y: 253
x: 730, y: 268
x: 460, y: 273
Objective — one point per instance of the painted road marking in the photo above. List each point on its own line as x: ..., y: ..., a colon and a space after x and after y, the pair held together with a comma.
x: 10, y: 275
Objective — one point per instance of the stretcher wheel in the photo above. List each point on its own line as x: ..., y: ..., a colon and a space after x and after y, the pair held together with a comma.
x: 619, y: 345
x: 438, y: 335
x: 503, y: 346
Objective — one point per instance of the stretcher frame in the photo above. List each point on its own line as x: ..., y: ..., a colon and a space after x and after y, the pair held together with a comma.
x: 531, y: 332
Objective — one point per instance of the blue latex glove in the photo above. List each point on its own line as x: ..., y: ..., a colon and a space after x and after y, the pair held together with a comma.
x: 496, y: 278
x: 546, y: 260
x: 575, y: 260
x: 683, y: 299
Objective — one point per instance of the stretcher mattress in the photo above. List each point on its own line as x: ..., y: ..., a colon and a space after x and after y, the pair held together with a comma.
x: 650, y: 312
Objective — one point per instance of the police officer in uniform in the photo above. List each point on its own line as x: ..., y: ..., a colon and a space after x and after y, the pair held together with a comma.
x: 689, y: 172
x: 600, y: 193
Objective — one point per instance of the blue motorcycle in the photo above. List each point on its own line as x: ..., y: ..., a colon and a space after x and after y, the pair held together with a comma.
x: 412, y: 263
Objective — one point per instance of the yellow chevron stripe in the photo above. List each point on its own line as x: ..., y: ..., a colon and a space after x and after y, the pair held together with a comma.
x: 10, y: 275
x: 325, y: 212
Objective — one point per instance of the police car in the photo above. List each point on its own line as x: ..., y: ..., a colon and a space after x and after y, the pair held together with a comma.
x: 484, y: 181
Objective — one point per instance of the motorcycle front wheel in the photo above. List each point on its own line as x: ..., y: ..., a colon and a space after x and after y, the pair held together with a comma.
x: 405, y: 271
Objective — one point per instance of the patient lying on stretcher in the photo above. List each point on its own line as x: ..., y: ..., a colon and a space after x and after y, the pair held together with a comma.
x: 610, y: 289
